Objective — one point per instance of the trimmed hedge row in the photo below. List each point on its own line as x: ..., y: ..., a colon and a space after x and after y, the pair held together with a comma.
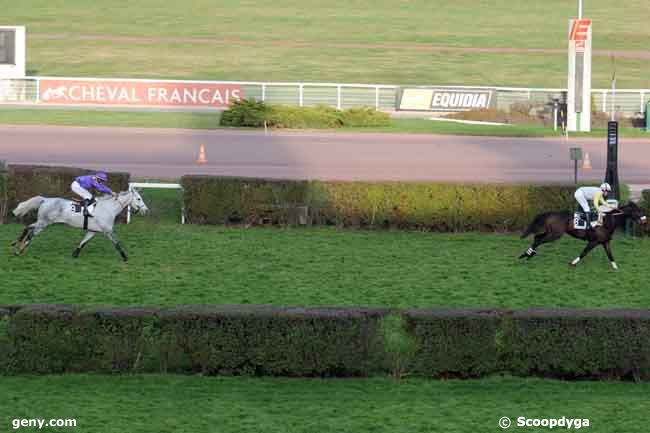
x: 225, y: 200
x: 267, y: 340
x: 25, y: 181
x: 4, y: 177
x: 411, y: 205
x: 260, y: 340
x: 579, y: 344
x: 251, y: 340
x: 454, y: 343
x: 252, y: 113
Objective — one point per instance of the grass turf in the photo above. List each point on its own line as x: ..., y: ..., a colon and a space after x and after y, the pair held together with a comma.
x: 211, y: 121
x: 172, y: 264
x: 161, y: 404
x: 378, y: 41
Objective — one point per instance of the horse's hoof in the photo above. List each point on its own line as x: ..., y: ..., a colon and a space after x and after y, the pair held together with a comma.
x: 571, y: 264
x: 75, y: 254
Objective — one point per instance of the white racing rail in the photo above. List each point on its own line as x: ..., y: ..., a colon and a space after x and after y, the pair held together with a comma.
x: 144, y: 185
x: 27, y: 91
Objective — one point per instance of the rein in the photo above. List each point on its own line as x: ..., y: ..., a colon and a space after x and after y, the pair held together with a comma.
x: 119, y: 196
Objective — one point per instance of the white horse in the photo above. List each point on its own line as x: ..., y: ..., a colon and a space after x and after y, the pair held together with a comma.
x: 60, y: 210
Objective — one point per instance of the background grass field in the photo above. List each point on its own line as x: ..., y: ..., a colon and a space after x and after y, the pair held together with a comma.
x: 211, y: 121
x: 168, y: 404
x: 174, y: 264
x: 364, y: 41
x: 361, y: 41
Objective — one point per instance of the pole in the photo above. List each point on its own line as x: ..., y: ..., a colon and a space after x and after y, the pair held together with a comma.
x: 580, y: 9
x: 575, y: 171
x: 611, y: 173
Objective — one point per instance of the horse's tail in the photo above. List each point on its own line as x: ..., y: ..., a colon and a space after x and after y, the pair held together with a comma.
x: 534, y: 226
x: 28, y: 205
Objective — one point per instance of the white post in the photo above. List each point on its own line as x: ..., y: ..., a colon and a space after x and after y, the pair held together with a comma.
x: 338, y: 97
x: 614, y: 99
x: 128, y: 210
x: 604, y: 101
x: 377, y: 98
x: 580, y: 9
x: 642, y: 102
x: 38, y: 90
x: 263, y: 92
x: 301, y: 95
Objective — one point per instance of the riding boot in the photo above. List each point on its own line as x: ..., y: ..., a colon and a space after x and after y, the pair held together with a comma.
x: 588, y: 219
x: 86, y: 203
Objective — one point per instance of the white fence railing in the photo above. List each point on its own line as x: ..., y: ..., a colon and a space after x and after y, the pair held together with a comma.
x: 144, y: 185
x: 343, y: 96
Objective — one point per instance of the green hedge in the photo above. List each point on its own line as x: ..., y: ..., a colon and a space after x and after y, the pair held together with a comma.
x: 64, y: 339
x: 250, y: 340
x: 411, y: 205
x: 245, y: 113
x: 454, y: 343
x: 224, y: 200
x: 323, y: 342
x: 25, y: 181
x: 4, y: 205
x: 271, y: 341
x: 6, y: 347
x: 252, y: 113
x: 579, y: 344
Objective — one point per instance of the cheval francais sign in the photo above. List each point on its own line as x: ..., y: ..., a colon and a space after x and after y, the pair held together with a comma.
x: 138, y: 93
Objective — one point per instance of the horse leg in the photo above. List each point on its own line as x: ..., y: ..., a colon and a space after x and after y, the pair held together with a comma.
x: 540, y: 239
x: 531, y: 251
x: 84, y: 241
x: 19, y: 244
x: 590, y: 246
x: 113, y: 238
x: 608, y: 250
x: 28, y: 234
x: 21, y: 237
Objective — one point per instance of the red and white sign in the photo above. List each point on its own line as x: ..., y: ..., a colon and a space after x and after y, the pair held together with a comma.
x: 138, y: 93
x: 579, y: 75
x: 579, y: 34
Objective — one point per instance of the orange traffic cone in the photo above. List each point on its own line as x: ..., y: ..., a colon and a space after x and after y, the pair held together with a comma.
x: 202, y: 159
x: 586, y: 162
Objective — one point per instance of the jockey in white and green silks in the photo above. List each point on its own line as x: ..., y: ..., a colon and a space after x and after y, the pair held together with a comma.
x: 596, y: 195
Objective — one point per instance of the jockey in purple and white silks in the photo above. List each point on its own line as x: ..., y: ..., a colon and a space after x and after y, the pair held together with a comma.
x: 83, y: 184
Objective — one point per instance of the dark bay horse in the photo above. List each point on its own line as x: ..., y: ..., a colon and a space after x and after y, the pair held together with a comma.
x: 550, y: 226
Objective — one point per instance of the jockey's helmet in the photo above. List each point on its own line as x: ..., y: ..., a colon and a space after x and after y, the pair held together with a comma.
x: 101, y: 176
x: 606, y: 187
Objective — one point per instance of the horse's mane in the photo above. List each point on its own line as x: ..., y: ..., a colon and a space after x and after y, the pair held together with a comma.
x: 108, y: 197
x: 631, y: 204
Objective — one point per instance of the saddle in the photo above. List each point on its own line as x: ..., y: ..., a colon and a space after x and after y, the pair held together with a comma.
x: 78, y: 207
x: 580, y: 220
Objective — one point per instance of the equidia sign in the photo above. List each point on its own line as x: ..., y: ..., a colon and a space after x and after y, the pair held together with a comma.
x: 445, y: 99
x: 138, y: 93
